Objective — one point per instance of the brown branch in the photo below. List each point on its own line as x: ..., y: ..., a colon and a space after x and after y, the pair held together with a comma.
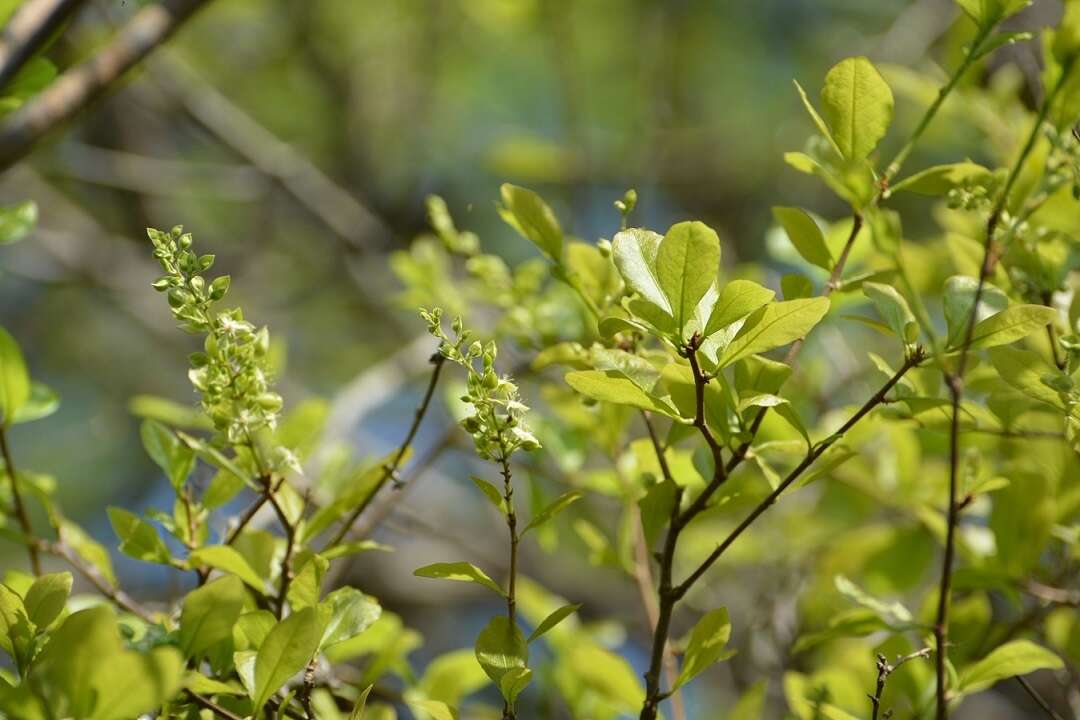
x: 885, y: 669
x: 20, y: 508
x: 955, y: 380
x: 118, y: 597
x: 913, y: 360
x: 31, y: 25
x: 391, y: 468
x: 84, y: 83
x: 286, y: 560
x: 1039, y: 700
x: 213, y: 707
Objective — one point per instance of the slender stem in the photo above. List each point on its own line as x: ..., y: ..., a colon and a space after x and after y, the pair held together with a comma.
x: 208, y: 704
x: 391, y: 468
x: 955, y: 381
x: 20, y: 508
x: 118, y: 597
x: 248, y: 515
x: 885, y: 669
x: 815, y: 452
x: 286, y: 560
x: 661, y: 612
x: 1034, y: 694
x: 511, y: 525
x: 969, y: 59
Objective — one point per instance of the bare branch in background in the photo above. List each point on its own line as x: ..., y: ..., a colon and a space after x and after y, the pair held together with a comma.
x: 326, y: 200
x: 87, y: 81
x: 32, y: 24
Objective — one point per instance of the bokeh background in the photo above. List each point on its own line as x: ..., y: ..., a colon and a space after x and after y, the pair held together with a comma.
x: 298, y: 140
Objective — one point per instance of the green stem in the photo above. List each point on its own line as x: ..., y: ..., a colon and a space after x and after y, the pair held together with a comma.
x: 20, y: 508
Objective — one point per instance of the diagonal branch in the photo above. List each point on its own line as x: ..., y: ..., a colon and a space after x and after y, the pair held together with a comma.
x: 87, y: 81
x: 29, y: 28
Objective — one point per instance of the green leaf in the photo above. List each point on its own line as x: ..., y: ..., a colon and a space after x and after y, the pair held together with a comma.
x: 228, y: 560
x: 737, y: 299
x: 818, y: 121
x: 353, y: 548
x: 133, y: 684
x: 894, y: 309
x: 1011, y: 324
x: 805, y: 235
x: 46, y: 598
x: 461, y: 571
x: 687, y: 263
x: 706, y: 645
x: 858, y: 105
x: 501, y: 648
x: 351, y: 612
x: 527, y: 213
x: 209, y: 614
x: 1027, y: 371
x: 957, y: 300
x: 1018, y: 657
x: 773, y: 326
x: 165, y: 449
x: 172, y: 414
x: 940, y: 179
x: 490, y: 492
x: 635, y: 252
x: 361, y: 702
x: 42, y: 402
x: 138, y: 538
x: 557, y: 506
x: 17, y: 221
x: 432, y: 709
x: 14, y: 380
x: 986, y: 13
x: 286, y: 650
x: 893, y: 612
x: 614, y: 387
x: 751, y: 705
x: 514, y: 682
x: 306, y: 588
x: 553, y: 619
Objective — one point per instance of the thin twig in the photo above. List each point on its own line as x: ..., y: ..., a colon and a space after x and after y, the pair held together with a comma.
x: 84, y: 83
x: 391, y: 468
x: 913, y: 360
x: 20, y: 508
x: 885, y: 669
x: 1034, y: 694
x: 118, y: 597
x: 212, y: 706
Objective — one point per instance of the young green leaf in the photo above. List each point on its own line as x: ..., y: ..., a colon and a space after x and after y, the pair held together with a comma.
x: 773, y: 326
x: 616, y: 388
x: 14, y: 380
x: 460, y: 571
x: 557, y: 506
x: 1011, y: 324
x: 286, y: 650
x: 228, y: 560
x: 553, y: 619
x: 706, y: 645
x: 805, y: 235
x: 737, y: 299
x: 987, y: 13
x: 501, y: 648
x: 894, y: 309
x: 46, y: 598
x: 818, y: 121
x: 1028, y: 372
x: 957, y: 299
x: 351, y: 612
x: 635, y: 252
x: 858, y: 106
x: 209, y: 614
x: 1018, y: 657
x: 527, y: 213
x: 165, y: 449
x: 940, y: 179
x: 358, y: 712
x: 138, y: 538
x: 687, y: 263
x: 42, y: 402
x: 490, y: 492
x: 17, y: 221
